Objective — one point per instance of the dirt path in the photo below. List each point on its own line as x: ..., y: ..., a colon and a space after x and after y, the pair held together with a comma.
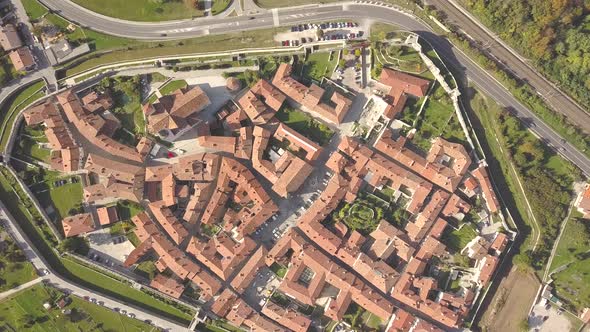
x: 511, y: 302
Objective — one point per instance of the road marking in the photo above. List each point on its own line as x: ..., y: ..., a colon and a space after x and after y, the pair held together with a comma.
x: 275, y: 17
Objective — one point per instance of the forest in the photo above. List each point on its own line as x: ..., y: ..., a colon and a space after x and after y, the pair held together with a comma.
x: 554, y: 34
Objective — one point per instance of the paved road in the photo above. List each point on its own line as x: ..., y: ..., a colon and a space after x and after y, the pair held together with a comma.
x: 295, y: 15
x: 514, y: 62
x: 57, y: 281
x: 20, y: 287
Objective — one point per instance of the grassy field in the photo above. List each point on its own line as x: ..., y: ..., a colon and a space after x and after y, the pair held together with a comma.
x: 13, y: 105
x: 456, y: 240
x: 172, y: 86
x: 499, y: 162
x: 219, y: 6
x: 24, y: 311
x: 63, y: 198
x: 437, y: 120
x: 7, y: 71
x: 127, y: 104
x: 319, y: 65
x: 127, y: 50
x: 571, y: 284
x: 575, y: 241
x: 141, y: 10
x: 14, y: 267
x: 34, y: 9
x: 113, y: 287
x: 305, y: 125
x: 30, y: 148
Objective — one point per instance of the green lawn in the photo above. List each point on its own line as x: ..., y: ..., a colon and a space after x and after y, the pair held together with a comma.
x: 157, y: 77
x: 435, y: 119
x: 63, y: 198
x: 112, y: 287
x: 574, y: 242
x: 15, y: 104
x: 219, y: 6
x: 141, y: 10
x: 571, y: 284
x: 34, y: 9
x: 371, y: 321
x: 128, y: 210
x: 304, y: 124
x: 127, y: 49
x: 362, y: 215
x: 456, y: 240
x: 14, y: 267
x: 319, y: 65
x: 172, y: 86
x: 24, y: 311
x: 30, y: 148
x: 7, y: 71
x: 279, y: 270
x: 147, y: 269
x: 127, y: 105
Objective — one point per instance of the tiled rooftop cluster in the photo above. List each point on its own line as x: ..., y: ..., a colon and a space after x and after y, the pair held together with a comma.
x: 312, y: 97
x: 202, y: 209
x: 11, y: 42
x: 175, y: 111
x: 65, y: 152
x: 92, y: 119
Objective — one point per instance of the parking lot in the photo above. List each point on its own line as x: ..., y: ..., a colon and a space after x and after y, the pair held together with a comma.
x: 548, y: 318
x: 109, y: 250
x: 314, y: 32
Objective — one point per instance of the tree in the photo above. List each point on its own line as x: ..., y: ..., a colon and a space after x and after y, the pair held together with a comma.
x: 74, y: 244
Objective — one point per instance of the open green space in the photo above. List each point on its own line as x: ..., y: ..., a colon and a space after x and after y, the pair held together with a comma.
x: 574, y: 242
x: 279, y: 270
x: 319, y: 64
x: 360, y: 319
x: 437, y: 119
x: 172, y: 86
x: 109, y: 285
x: 362, y: 216
x: 15, y: 269
x: 127, y: 49
x: 218, y: 6
x: 457, y: 239
x: 29, y: 147
x: 147, y: 269
x: 571, y: 259
x: 306, y: 125
x: 63, y: 193
x: 571, y: 284
x: 547, y: 178
x: 39, y: 233
x: 141, y: 10
x: 287, y: 3
x: 126, y: 94
x: 7, y: 71
x: 25, y: 311
x: 34, y: 9
x: 14, y: 104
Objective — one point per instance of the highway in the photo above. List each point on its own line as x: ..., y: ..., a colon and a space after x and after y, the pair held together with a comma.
x: 518, y: 65
x: 288, y: 16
